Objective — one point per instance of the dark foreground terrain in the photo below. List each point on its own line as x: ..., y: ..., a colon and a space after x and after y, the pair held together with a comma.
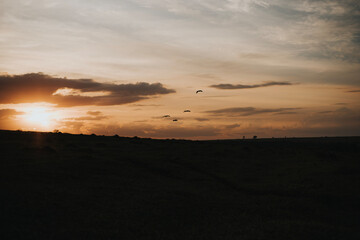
x: 62, y: 186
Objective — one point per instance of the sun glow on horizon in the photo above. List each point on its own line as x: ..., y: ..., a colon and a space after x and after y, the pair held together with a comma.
x: 40, y: 118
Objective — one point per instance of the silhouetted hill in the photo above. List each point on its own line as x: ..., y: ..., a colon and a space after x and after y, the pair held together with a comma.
x: 63, y: 186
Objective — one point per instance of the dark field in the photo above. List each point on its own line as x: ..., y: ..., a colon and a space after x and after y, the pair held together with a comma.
x: 62, y: 186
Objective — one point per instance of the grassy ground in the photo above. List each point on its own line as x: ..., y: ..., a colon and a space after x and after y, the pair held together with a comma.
x: 62, y: 186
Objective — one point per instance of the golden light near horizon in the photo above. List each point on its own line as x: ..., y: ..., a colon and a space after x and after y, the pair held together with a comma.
x: 40, y: 118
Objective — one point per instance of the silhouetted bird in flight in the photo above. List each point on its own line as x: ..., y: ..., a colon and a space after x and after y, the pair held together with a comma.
x: 166, y: 116
x: 187, y: 111
x: 174, y: 120
x: 199, y: 91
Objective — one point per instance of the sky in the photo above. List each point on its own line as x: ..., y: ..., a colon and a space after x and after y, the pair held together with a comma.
x: 130, y: 67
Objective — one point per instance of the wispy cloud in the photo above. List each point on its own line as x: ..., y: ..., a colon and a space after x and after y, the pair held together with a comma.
x: 242, y: 86
x: 8, y: 113
x: 8, y: 118
x: 94, y: 113
x: 202, y: 119
x: 91, y: 116
x: 326, y: 112
x: 145, y: 105
x: 248, y: 111
x: 232, y: 126
x: 163, y: 37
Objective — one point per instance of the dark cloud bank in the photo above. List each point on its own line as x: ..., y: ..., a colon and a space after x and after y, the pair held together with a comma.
x: 241, y: 86
x: 38, y: 87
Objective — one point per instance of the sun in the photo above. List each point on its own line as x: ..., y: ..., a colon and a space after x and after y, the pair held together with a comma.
x: 39, y: 118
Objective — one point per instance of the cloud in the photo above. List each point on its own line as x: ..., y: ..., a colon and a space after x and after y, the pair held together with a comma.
x: 72, y: 126
x: 354, y: 91
x: 88, y: 118
x: 38, y: 87
x: 202, y: 119
x: 94, y: 113
x: 92, y: 116
x: 145, y: 105
x: 337, y: 122
x: 231, y: 126
x: 241, y: 86
x: 8, y: 118
x: 340, y: 122
x: 285, y: 112
x: 8, y: 113
x: 247, y: 111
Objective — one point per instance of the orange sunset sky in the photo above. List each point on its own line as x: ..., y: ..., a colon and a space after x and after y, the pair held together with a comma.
x: 267, y: 68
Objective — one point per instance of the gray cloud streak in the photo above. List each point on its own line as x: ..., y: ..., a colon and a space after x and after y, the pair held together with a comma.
x: 248, y: 111
x: 242, y: 86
